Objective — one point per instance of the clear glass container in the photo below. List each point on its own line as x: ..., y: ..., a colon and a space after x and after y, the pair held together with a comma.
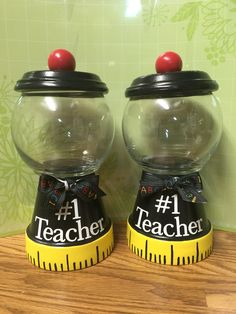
x: 62, y: 134
x: 174, y: 135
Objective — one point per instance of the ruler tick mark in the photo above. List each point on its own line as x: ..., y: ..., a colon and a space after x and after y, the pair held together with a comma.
x: 38, y: 259
x: 197, y: 252
x: 67, y: 262
x: 172, y: 254
x: 97, y: 251
x: 146, y: 249
x: 178, y: 260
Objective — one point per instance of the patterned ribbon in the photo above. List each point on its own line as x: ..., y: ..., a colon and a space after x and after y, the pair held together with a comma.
x: 85, y: 188
x: 189, y: 186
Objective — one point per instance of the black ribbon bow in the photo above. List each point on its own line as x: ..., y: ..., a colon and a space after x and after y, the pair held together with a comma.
x: 85, y: 188
x: 189, y: 186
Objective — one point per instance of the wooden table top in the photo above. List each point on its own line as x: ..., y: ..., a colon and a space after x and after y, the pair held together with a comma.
x: 123, y: 283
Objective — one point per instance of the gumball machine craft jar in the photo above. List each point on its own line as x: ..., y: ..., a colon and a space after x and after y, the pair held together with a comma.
x: 63, y: 129
x: 171, y: 127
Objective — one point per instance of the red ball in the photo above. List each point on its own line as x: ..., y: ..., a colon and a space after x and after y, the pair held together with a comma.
x: 168, y: 62
x: 61, y: 59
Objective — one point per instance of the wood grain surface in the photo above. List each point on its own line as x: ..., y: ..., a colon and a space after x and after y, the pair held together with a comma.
x: 123, y: 283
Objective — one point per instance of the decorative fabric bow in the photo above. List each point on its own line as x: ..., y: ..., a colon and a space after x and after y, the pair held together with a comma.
x: 85, y: 188
x: 189, y: 186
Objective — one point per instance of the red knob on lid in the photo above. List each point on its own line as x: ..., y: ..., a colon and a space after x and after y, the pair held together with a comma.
x: 168, y: 62
x: 61, y: 59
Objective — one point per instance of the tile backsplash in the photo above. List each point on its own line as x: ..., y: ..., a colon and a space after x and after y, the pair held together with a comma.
x: 119, y: 40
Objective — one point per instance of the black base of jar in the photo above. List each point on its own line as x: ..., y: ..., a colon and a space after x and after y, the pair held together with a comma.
x: 68, y: 236
x: 166, y: 229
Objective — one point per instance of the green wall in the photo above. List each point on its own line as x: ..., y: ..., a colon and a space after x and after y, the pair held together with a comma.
x: 119, y: 40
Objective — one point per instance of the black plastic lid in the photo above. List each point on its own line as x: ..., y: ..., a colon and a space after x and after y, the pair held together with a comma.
x: 172, y: 84
x: 61, y: 81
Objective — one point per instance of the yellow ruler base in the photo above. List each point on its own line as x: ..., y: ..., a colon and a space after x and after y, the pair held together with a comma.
x: 70, y: 257
x: 169, y: 252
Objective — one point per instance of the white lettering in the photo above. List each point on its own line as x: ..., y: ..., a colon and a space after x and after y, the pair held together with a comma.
x: 58, y: 236
x: 140, y: 216
x: 38, y: 236
x: 146, y: 223
x: 94, y: 228
x: 67, y: 235
x: 81, y: 229
x: 47, y: 231
x: 178, y: 228
x: 193, y: 225
x: 199, y: 225
x: 166, y: 232
x: 76, y: 208
x: 100, y: 224
x: 157, y: 229
x: 176, y: 209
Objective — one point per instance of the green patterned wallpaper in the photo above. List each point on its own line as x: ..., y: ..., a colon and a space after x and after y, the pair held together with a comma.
x: 119, y: 40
